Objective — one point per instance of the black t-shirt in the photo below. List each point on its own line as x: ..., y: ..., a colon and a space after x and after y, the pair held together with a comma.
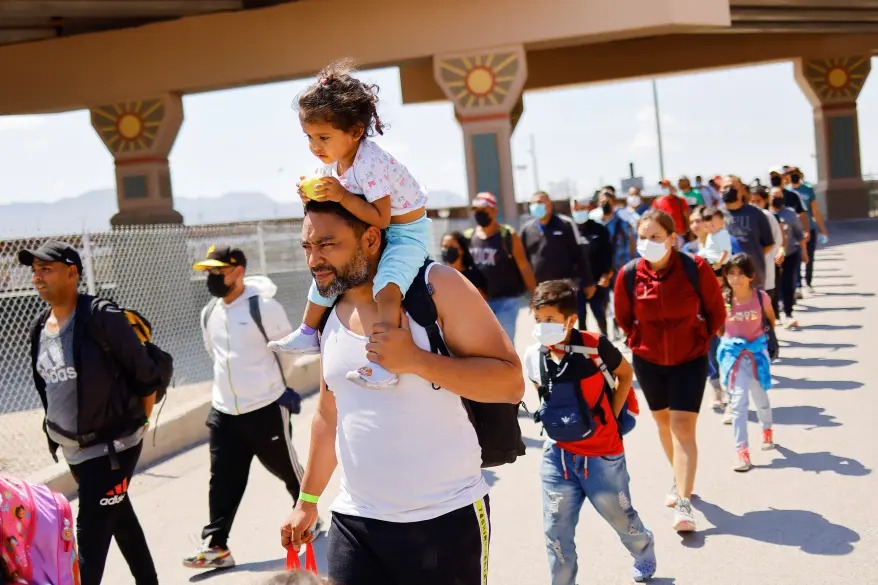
x: 556, y: 251
x: 794, y: 201
x: 600, y: 247
x: 478, y: 279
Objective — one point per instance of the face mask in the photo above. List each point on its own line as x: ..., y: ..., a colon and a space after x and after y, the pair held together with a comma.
x: 597, y: 215
x: 651, y: 251
x: 216, y: 285
x: 794, y: 178
x: 580, y: 216
x: 730, y: 195
x: 538, y: 210
x: 634, y: 201
x: 549, y: 334
x: 483, y: 218
x: 450, y: 255
x: 776, y: 181
x: 607, y: 208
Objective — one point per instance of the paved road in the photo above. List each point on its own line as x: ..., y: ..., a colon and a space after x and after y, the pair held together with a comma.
x: 805, y: 514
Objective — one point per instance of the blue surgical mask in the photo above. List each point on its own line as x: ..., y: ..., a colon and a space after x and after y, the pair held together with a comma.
x: 580, y: 216
x: 538, y: 210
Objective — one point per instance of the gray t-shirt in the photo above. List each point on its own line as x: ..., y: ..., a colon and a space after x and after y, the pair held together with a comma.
x: 753, y: 232
x: 789, y: 221
x: 55, y: 364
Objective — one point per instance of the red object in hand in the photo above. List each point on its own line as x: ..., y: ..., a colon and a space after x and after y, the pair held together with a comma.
x: 293, y: 562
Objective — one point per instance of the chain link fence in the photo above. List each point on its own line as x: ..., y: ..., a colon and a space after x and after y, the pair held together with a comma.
x: 148, y: 268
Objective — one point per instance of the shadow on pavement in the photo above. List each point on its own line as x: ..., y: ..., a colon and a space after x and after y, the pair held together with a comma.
x: 806, y: 384
x: 847, y: 294
x: 785, y: 343
x: 533, y: 443
x: 269, y: 565
x: 808, y: 531
x: 826, y: 327
x: 815, y: 362
x: 817, y: 462
x: 809, y: 416
x: 811, y: 309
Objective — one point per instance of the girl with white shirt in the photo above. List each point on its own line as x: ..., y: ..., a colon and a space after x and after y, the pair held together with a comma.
x: 338, y: 115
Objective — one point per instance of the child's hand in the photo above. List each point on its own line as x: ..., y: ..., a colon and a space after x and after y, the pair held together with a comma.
x: 330, y: 189
x: 301, y: 193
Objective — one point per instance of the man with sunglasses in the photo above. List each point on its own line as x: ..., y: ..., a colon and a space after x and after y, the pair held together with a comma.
x: 247, y: 417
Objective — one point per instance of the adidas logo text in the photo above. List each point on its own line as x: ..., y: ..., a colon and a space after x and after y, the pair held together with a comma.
x: 113, y: 500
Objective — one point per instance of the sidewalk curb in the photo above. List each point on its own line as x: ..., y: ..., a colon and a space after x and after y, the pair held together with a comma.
x: 177, y: 432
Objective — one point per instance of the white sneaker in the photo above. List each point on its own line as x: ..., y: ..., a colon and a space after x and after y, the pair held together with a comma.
x: 684, y: 519
x: 373, y: 377
x: 742, y: 461
x: 727, y: 415
x: 296, y: 342
x: 209, y: 557
x: 791, y: 324
x: 811, y: 292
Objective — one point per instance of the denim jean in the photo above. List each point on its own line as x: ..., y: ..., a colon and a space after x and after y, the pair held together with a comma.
x: 742, y: 385
x: 568, y: 480
x: 402, y: 259
x: 712, y: 364
x: 506, y: 310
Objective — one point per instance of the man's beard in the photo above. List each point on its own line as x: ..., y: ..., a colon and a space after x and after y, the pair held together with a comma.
x: 354, y: 273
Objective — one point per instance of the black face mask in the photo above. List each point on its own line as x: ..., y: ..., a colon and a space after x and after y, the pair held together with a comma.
x: 607, y: 208
x: 730, y: 195
x: 483, y: 218
x: 794, y: 178
x: 450, y: 255
x: 776, y: 181
x: 216, y: 285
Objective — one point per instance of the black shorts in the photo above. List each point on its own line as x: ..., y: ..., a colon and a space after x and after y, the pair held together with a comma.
x: 679, y: 387
x: 449, y: 550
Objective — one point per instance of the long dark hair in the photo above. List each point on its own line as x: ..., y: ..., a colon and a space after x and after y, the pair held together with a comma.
x: 463, y: 242
x: 745, y: 266
x: 342, y: 100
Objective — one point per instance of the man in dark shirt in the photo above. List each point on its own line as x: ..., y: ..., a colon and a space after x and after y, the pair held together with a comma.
x: 554, y: 247
x: 791, y: 199
x: 748, y: 225
x: 600, y: 256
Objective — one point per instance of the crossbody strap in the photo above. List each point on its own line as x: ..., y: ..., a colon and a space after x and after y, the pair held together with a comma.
x: 256, y: 314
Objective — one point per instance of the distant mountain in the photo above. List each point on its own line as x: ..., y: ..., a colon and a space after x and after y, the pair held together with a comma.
x: 92, y: 211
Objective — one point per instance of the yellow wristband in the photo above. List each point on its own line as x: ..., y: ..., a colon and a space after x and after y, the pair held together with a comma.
x: 308, y: 498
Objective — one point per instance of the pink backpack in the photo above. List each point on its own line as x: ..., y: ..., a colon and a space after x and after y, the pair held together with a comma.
x: 36, y: 535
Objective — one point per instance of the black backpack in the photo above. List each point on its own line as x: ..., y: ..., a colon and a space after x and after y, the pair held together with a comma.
x: 496, y: 425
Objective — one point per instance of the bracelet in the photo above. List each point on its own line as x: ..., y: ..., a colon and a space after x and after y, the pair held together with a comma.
x: 308, y: 498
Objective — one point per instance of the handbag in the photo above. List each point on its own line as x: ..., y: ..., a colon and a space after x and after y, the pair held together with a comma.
x: 773, y: 345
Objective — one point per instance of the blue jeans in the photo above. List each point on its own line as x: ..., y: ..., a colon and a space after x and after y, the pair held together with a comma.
x: 604, y: 481
x: 744, y: 386
x: 712, y: 364
x: 506, y: 311
x: 402, y: 259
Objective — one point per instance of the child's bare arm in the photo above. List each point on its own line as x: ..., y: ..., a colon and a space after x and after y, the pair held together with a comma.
x: 377, y: 213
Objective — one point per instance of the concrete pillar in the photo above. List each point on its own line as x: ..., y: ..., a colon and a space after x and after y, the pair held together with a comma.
x: 832, y: 86
x: 485, y: 87
x: 139, y: 135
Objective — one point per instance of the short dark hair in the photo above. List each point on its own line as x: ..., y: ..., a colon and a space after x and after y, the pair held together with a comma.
x: 342, y: 100
x: 560, y: 294
x: 709, y: 213
x: 332, y: 207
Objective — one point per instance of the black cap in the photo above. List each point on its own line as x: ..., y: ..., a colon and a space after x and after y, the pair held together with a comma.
x: 221, y: 256
x: 52, y: 251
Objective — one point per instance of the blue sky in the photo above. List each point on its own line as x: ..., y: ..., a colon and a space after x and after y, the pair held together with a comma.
x: 740, y: 120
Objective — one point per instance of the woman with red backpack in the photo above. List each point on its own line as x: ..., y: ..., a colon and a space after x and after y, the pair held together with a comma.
x: 670, y: 305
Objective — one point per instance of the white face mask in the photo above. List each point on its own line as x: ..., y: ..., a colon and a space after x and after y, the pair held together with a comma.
x: 549, y: 334
x: 634, y: 201
x: 651, y: 251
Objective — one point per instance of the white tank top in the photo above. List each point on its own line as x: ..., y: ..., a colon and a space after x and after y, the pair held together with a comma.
x: 405, y: 454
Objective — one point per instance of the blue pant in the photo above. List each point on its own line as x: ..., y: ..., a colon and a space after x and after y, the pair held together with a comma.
x: 598, y: 304
x: 604, y: 481
x: 506, y: 311
x: 712, y: 363
x: 402, y: 259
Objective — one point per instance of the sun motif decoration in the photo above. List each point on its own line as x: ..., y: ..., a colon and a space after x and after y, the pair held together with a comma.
x: 481, y: 80
x: 128, y: 126
x: 839, y: 78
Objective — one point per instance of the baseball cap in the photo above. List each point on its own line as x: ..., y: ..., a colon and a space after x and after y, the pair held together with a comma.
x: 484, y: 200
x: 52, y: 251
x: 221, y: 256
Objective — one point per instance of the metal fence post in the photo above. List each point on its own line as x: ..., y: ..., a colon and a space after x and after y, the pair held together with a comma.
x: 260, y: 239
x: 88, y: 263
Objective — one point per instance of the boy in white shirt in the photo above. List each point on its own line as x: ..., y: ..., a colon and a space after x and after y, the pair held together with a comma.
x: 718, y: 247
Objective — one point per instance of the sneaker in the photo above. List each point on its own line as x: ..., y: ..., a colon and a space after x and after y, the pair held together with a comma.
x: 672, y: 496
x: 718, y: 399
x: 373, y: 377
x: 791, y: 324
x: 209, y: 557
x: 727, y: 415
x: 799, y: 295
x: 767, y: 440
x: 742, y: 463
x: 644, y: 569
x: 684, y: 519
x: 811, y: 292
x: 296, y: 342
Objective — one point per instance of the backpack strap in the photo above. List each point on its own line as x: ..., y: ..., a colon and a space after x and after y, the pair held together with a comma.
x: 590, y: 350
x: 256, y: 315
x: 690, y: 267
x: 506, y: 233
x: 418, y: 303
x: 629, y: 273
x: 208, y: 309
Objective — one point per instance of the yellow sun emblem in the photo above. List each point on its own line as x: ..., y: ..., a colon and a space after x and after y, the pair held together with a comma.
x: 480, y: 80
x: 128, y: 126
x: 839, y: 78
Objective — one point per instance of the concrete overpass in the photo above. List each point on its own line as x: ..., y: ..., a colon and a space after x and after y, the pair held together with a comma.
x: 129, y: 62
